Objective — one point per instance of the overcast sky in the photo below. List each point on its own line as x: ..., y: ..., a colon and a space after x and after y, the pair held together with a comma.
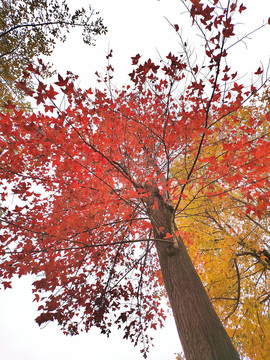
x: 134, y: 27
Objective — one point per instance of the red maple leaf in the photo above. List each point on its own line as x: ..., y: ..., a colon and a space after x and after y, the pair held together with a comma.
x: 135, y: 59
x: 242, y: 8
x: 61, y: 82
x: 258, y: 71
x: 51, y: 93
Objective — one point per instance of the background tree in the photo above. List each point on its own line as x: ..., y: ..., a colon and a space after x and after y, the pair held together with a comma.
x: 30, y: 28
x: 104, y: 236
x: 230, y: 233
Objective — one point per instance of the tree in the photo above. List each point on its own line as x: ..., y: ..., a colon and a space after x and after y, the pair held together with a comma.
x: 99, y: 197
x: 29, y: 29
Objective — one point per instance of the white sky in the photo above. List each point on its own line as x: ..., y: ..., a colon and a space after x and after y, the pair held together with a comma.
x: 134, y: 27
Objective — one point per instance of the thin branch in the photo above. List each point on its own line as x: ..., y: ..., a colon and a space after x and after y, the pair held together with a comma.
x: 87, y: 246
x: 238, y: 290
x: 34, y: 25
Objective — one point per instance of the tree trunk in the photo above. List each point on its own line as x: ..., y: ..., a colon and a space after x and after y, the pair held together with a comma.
x: 202, y: 335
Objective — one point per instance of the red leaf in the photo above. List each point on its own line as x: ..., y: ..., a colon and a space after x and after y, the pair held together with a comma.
x: 242, y: 8
x: 226, y: 69
x: 195, y: 69
x: 176, y: 27
x: 51, y: 93
x: 36, y: 298
x: 30, y: 68
x: 135, y: 59
x: 110, y: 54
x: 232, y: 7
x: 7, y: 284
x: 259, y: 71
x: 225, y: 78
x: 61, y: 82
x: 49, y: 108
x: 253, y: 89
x: 237, y: 87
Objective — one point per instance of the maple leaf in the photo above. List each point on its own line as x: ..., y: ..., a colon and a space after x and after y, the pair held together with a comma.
x: 50, y: 108
x: 168, y: 236
x: 135, y: 59
x: 237, y: 87
x: 7, y: 284
x: 226, y: 69
x: 241, y: 8
x: 51, y: 93
x: 233, y: 7
x: 225, y: 78
x: 258, y: 71
x: 61, y: 82
x: 31, y: 68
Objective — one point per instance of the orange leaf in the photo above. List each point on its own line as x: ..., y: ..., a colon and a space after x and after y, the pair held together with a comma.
x: 167, y: 236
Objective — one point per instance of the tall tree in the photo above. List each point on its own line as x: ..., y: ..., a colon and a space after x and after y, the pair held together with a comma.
x: 30, y: 28
x: 98, y: 196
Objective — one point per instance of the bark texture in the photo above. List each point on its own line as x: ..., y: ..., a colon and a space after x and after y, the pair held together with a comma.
x: 201, y: 332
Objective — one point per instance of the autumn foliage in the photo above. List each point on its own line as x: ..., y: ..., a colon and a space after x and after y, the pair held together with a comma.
x: 31, y: 28
x: 104, y: 184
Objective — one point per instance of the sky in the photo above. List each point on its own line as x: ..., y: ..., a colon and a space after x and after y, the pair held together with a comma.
x: 143, y: 26
x: 134, y: 27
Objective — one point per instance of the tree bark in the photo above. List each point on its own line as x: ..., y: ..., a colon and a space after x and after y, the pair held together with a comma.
x: 201, y: 332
